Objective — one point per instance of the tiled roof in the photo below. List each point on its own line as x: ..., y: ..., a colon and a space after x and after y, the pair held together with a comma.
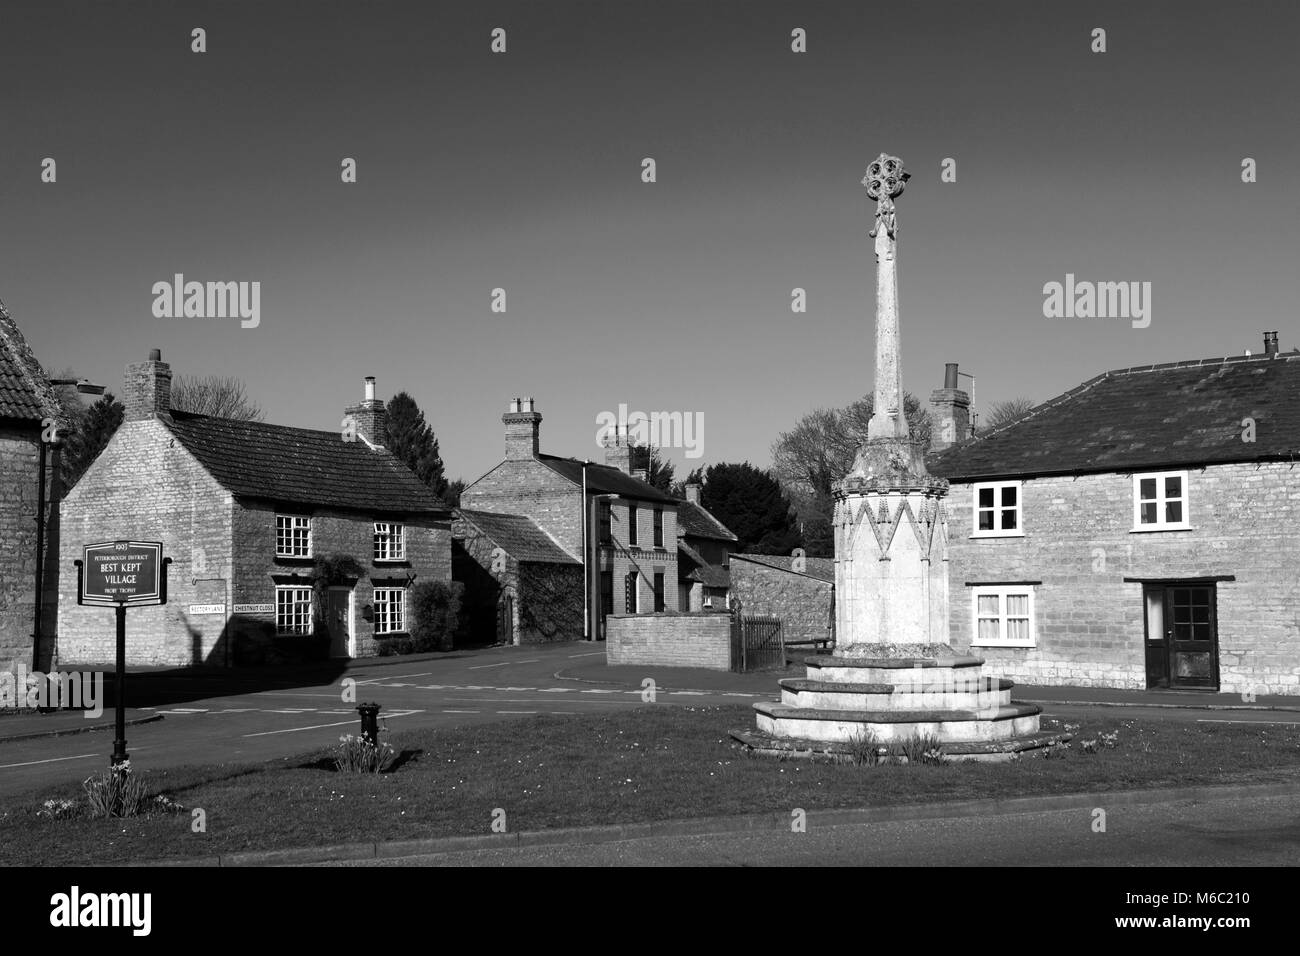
x: 696, y: 522
x: 1151, y: 416
x: 519, y: 536
x: 710, y: 575
x: 25, y: 392
x: 604, y: 479
x: 823, y: 569
x: 303, y: 466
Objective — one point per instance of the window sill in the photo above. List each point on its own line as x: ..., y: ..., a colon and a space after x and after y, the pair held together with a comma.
x: 390, y: 562
x: 997, y: 534
x: 1000, y: 646
x: 1149, y: 529
x: 387, y: 634
x: 295, y: 558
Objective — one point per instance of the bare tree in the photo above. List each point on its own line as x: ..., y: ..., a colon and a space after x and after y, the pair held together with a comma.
x: 1000, y: 413
x: 218, y: 396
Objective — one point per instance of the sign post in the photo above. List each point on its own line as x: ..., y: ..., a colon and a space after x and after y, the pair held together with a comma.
x: 122, y: 574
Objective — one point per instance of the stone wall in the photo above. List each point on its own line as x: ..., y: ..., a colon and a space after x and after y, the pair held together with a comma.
x: 804, y: 604
x: 146, y: 486
x: 19, y: 451
x: 669, y: 640
x: 1079, y: 543
x: 529, y: 488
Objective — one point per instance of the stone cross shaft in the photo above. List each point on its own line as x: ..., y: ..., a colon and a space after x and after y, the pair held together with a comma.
x: 884, y: 181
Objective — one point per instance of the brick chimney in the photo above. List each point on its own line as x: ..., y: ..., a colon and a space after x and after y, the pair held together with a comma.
x: 1270, y: 343
x: 523, y: 426
x: 148, y: 389
x: 949, y: 412
x: 693, y: 492
x: 371, y: 416
x: 618, y: 453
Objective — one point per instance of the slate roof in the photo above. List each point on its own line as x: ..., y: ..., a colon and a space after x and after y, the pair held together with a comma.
x: 822, y: 569
x: 25, y: 392
x: 1146, y: 417
x: 696, y: 522
x: 303, y: 466
x: 605, y: 479
x: 710, y: 575
x: 519, y: 536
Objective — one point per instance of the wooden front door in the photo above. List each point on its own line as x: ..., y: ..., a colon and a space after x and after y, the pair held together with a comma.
x: 338, y: 618
x: 1182, y: 637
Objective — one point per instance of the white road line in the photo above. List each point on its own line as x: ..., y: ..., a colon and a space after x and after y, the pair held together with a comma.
x: 587, y: 654
x: 298, y: 710
x: 371, y: 680
x: 541, y: 700
x: 294, y: 730
x: 598, y: 691
x: 571, y: 713
x: 516, y: 711
x: 33, y: 763
x: 460, y: 711
x: 479, y: 667
x: 554, y: 690
x: 688, y: 693
x: 179, y: 710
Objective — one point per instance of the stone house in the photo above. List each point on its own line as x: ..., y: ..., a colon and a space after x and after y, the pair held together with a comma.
x: 521, y: 587
x: 285, y: 542
x: 1141, y: 530
x: 633, y: 531
x: 704, y: 545
x: 800, y: 591
x: 26, y: 399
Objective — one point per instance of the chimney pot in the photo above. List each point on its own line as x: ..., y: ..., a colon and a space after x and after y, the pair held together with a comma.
x: 370, y: 388
x: 155, y: 355
x: 1270, y: 343
x: 950, y: 375
x: 693, y: 492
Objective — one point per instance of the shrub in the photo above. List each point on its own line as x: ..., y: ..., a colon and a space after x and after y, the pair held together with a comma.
x: 921, y: 748
x: 435, y: 614
x: 356, y: 754
x: 117, y: 792
x: 863, y: 749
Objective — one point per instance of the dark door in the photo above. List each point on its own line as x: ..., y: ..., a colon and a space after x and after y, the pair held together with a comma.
x: 506, y: 620
x: 1182, y: 640
x: 338, y: 620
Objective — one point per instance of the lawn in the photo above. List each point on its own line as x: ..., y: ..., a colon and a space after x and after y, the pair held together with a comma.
x: 652, y: 763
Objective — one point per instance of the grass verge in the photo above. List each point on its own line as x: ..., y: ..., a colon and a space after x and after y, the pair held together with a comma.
x: 652, y: 763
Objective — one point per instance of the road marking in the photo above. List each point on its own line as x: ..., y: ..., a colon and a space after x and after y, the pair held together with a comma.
x: 571, y: 713
x: 296, y: 710
x: 33, y: 763
x: 178, y: 710
x: 460, y: 711
x: 684, y: 693
x: 599, y: 691
x: 371, y: 680
x: 294, y: 730
x: 554, y: 690
x: 479, y: 667
x: 516, y: 711
x: 541, y: 700
x: 587, y: 654
x: 1210, y: 720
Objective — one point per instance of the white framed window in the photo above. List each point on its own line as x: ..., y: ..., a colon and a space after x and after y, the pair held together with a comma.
x: 390, y: 610
x: 293, y: 610
x: 1160, y: 501
x: 1003, y: 616
x: 390, y: 541
x: 292, y: 536
x: 996, y: 509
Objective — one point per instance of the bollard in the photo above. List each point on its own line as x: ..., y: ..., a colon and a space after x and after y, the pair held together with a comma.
x: 369, y: 723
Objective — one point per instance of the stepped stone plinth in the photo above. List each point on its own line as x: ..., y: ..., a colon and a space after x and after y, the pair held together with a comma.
x: 893, y: 676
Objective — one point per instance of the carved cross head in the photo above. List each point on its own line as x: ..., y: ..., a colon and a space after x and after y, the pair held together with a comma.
x: 885, y: 178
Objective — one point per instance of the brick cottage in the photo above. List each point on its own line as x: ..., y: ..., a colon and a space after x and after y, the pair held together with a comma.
x: 285, y: 542
x: 642, y: 559
x: 26, y: 398
x: 1141, y: 530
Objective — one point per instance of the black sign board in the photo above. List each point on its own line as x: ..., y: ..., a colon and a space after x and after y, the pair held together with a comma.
x: 126, y: 573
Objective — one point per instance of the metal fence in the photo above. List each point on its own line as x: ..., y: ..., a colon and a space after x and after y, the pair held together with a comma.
x: 756, y: 642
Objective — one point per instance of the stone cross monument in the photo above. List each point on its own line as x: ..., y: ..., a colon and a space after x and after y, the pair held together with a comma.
x: 893, y: 677
x: 891, y: 575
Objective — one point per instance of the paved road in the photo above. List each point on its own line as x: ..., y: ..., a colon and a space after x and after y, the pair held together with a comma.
x: 1260, y: 831
x: 259, y: 718
x: 492, y: 684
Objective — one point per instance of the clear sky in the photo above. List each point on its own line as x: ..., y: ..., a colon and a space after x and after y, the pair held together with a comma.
x: 523, y: 171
